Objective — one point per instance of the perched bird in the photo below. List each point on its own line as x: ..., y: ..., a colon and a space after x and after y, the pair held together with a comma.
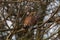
x: 30, y: 20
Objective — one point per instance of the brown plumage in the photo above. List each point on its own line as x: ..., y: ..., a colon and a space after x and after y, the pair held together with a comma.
x: 30, y: 20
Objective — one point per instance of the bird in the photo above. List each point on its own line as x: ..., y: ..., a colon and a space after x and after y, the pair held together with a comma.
x: 30, y: 20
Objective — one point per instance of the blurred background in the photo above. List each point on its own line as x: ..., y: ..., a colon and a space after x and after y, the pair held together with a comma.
x: 29, y: 19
